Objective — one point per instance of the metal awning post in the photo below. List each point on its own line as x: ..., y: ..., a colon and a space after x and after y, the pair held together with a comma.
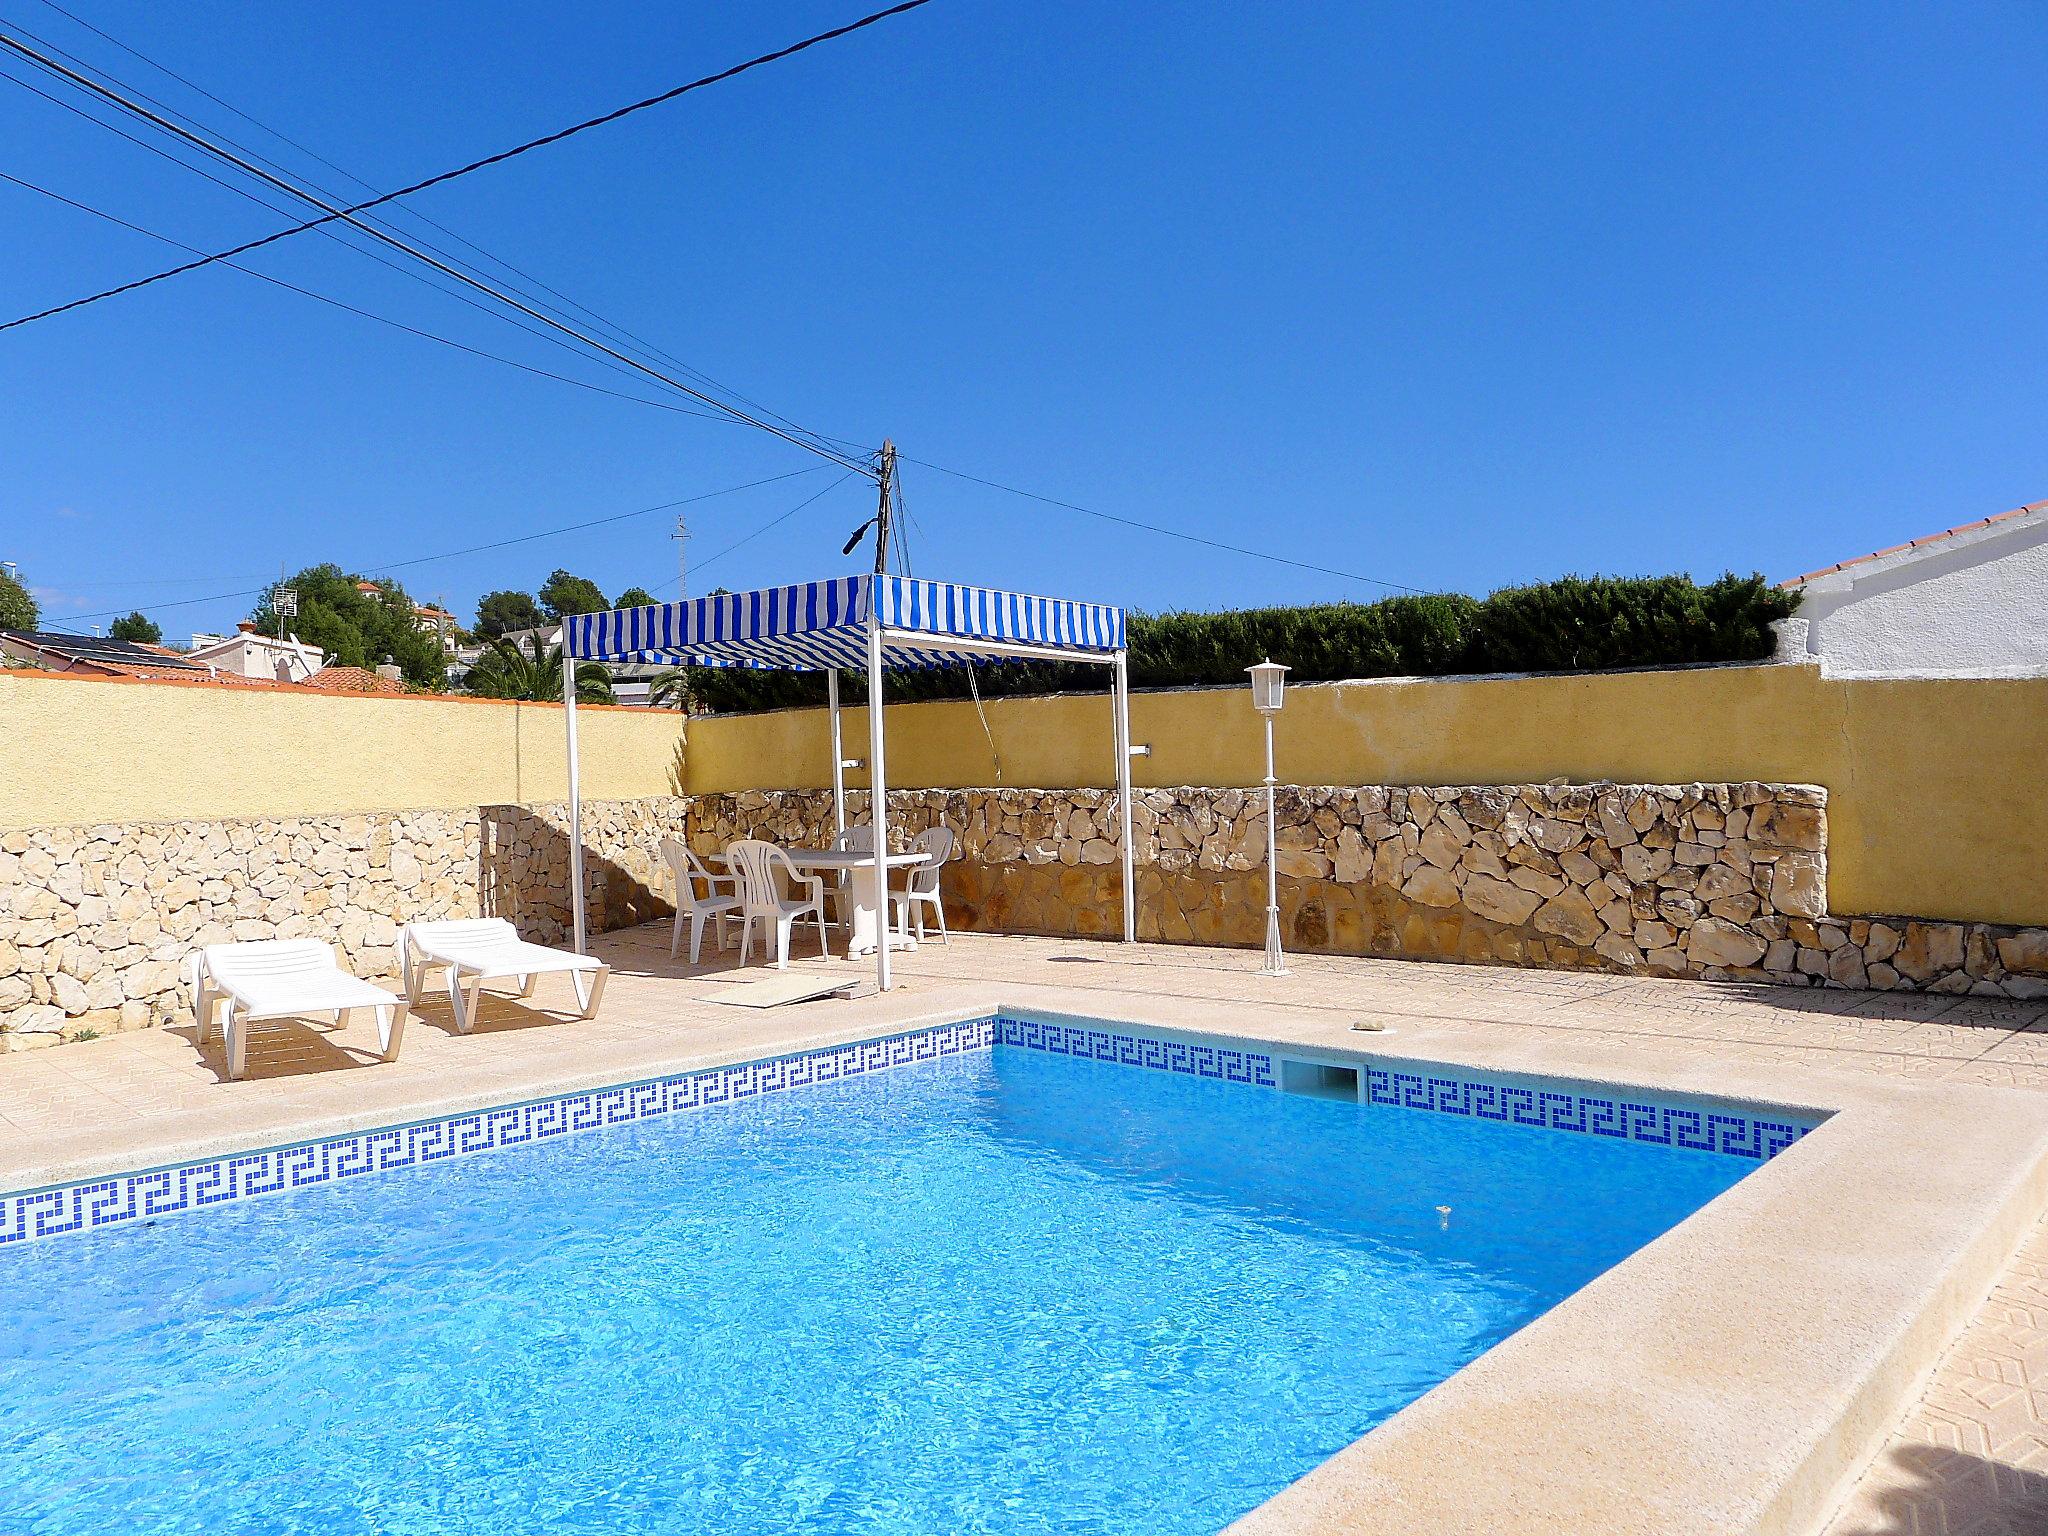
x: 878, y: 804
x: 1122, y: 693
x: 838, y: 751
x: 575, y: 805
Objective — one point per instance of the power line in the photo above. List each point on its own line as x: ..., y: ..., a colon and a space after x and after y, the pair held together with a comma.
x: 388, y: 238
x: 902, y: 523
x: 771, y: 523
x: 1171, y: 533
x: 162, y: 153
x: 524, y: 538
x: 500, y: 262
x: 903, y: 551
x: 599, y: 522
x: 341, y: 304
x: 331, y: 213
x: 382, y: 261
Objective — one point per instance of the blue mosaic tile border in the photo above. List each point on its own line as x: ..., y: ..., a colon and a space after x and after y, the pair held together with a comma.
x: 1591, y: 1113
x: 85, y: 1207
x: 1099, y: 1042
x: 1553, y: 1108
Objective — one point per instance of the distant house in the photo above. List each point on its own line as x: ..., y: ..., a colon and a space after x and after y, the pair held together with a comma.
x: 214, y: 662
x: 426, y: 618
x: 1965, y: 602
x: 93, y: 656
x: 252, y: 655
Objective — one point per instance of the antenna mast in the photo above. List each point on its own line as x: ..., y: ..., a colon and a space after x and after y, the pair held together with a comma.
x: 682, y: 538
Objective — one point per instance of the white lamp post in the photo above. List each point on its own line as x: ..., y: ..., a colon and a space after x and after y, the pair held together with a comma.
x: 1269, y: 682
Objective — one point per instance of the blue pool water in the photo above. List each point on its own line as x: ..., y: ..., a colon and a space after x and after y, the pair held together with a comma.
x: 1002, y: 1292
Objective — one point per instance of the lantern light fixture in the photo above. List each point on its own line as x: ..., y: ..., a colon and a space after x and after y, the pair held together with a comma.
x: 1269, y: 686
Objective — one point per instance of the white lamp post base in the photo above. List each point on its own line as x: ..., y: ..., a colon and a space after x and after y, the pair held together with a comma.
x: 1276, y: 961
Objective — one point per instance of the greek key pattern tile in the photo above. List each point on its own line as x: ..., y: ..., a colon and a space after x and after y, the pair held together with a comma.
x: 1556, y: 1108
x: 86, y: 1207
x: 1098, y: 1042
x: 1559, y: 1108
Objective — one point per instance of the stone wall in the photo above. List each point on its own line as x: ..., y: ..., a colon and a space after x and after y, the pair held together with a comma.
x: 94, y: 921
x: 1721, y: 881
x: 1705, y: 880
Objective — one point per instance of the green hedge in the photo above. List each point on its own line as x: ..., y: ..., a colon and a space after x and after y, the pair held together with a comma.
x: 1574, y: 625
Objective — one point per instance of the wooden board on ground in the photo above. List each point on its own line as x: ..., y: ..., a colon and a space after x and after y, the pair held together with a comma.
x: 773, y: 991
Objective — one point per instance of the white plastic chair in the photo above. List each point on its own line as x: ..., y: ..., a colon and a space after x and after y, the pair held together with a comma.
x: 688, y: 871
x: 921, y: 884
x: 761, y: 867
x: 475, y: 950
x: 236, y: 985
x: 858, y: 838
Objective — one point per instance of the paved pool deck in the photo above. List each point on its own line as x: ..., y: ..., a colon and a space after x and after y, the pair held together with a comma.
x: 1884, y: 1286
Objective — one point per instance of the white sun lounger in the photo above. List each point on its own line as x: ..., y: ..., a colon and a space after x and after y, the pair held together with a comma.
x: 475, y: 950
x: 262, y: 979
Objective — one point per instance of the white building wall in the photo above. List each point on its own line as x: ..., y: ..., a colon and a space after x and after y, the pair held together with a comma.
x: 1965, y: 606
x: 259, y: 656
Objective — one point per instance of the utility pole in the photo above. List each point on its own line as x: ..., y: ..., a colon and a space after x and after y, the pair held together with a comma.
x: 887, y: 480
x: 682, y: 538
x: 878, y: 779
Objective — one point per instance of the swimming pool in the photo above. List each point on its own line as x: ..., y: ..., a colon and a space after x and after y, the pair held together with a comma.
x: 996, y: 1291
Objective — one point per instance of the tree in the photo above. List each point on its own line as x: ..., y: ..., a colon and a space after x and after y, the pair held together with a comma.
x: 1584, y: 623
x: 562, y: 594
x: 636, y: 597
x: 673, y: 688
x: 509, y: 671
x: 502, y: 612
x: 137, y: 627
x: 18, y: 608
x: 358, y: 628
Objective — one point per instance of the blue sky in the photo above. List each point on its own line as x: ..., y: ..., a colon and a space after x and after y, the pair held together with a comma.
x: 1453, y: 297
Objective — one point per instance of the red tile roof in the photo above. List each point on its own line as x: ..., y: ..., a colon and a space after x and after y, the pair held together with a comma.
x: 352, y: 680
x: 1932, y: 538
x: 225, y: 678
x: 149, y: 674
x: 93, y: 656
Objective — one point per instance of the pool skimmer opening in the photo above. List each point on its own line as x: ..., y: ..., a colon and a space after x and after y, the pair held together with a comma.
x: 1320, y: 1080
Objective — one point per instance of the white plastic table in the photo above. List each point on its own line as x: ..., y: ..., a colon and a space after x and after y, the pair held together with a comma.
x: 862, y: 887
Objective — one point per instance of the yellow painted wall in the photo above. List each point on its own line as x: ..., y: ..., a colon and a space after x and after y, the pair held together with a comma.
x: 1938, y: 803
x: 1937, y: 798
x: 78, y: 751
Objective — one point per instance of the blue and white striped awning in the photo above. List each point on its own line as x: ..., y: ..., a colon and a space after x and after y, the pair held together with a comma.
x: 818, y: 625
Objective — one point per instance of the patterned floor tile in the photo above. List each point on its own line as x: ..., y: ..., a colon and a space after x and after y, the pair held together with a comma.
x: 1972, y: 1458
